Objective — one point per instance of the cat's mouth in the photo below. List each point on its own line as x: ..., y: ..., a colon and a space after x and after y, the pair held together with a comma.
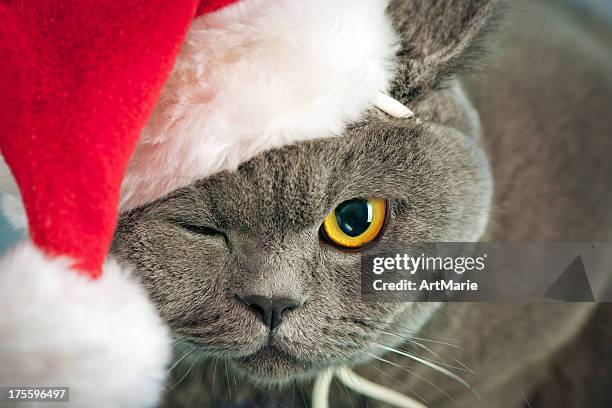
x: 272, y: 364
x: 266, y: 357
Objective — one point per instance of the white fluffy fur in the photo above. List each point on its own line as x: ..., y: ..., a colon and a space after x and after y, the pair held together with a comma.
x: 102, y: 338
x: 257, y: 75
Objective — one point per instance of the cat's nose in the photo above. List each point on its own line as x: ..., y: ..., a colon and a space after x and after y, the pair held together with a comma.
x: 271, y: 309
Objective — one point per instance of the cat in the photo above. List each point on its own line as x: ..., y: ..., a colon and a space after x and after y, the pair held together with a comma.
x: 512, y: 143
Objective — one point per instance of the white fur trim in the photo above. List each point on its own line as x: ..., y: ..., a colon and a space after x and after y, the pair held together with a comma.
x: 257, y: 75
x: 102, y: 338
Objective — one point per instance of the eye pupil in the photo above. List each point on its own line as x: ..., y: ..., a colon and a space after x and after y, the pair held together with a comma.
x: 355, y: 222
x: 354, y: 216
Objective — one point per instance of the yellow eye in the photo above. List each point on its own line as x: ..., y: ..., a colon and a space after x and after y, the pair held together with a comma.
x: 355, y: 223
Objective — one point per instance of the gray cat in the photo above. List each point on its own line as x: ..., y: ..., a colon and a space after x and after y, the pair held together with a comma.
x: 518, y: 152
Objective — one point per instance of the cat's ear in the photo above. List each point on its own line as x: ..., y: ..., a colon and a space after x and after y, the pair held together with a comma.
x: 437, y: 39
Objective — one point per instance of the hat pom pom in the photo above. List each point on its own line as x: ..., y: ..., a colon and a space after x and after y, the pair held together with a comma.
x: 101, y: 338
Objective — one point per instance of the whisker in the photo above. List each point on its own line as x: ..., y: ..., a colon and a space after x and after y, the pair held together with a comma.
x: 177, y: 362
x: 303, y: 397
x: 183, y: 377
x: 412, y: 339
x: 437, y: 355
x: 194, y: 395
x: 202, y: 372
x: 179, y: 341
x: 212, y: 393
x: 410, y: 331
x: 523, y: 394
x: 466, y: 367
x: 419, y: 396
x: 229, y: 386
x: 420, y: 377
x: 346, y: 392
x: 433, y: 366
x: 235, y: 383
x: 408, y: 339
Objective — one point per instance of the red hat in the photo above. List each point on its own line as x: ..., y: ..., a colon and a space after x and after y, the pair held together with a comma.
x: 79, y: 82
x: 101, y: 113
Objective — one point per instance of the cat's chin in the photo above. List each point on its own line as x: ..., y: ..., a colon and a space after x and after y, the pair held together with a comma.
x: 272, y: 366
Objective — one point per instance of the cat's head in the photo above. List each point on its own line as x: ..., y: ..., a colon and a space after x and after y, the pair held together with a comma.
x: 239, y: 263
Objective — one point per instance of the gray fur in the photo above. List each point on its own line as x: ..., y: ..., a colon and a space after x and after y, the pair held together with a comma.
x: 439, y: 39
x: 268, y: 215
x: 541, y: 170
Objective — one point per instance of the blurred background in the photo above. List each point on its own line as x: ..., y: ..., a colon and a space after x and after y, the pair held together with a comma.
x: 8, y: 234
x: 600, y: 8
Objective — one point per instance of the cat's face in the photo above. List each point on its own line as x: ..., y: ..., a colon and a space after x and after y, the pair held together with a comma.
x: 205, y: 248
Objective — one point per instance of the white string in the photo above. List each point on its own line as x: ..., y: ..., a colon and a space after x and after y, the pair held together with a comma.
x: 376, y: 391
x: 320, y: 393
x: 392, y: 106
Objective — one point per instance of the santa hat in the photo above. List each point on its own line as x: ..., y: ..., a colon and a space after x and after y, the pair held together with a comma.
x: 100, y: 111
